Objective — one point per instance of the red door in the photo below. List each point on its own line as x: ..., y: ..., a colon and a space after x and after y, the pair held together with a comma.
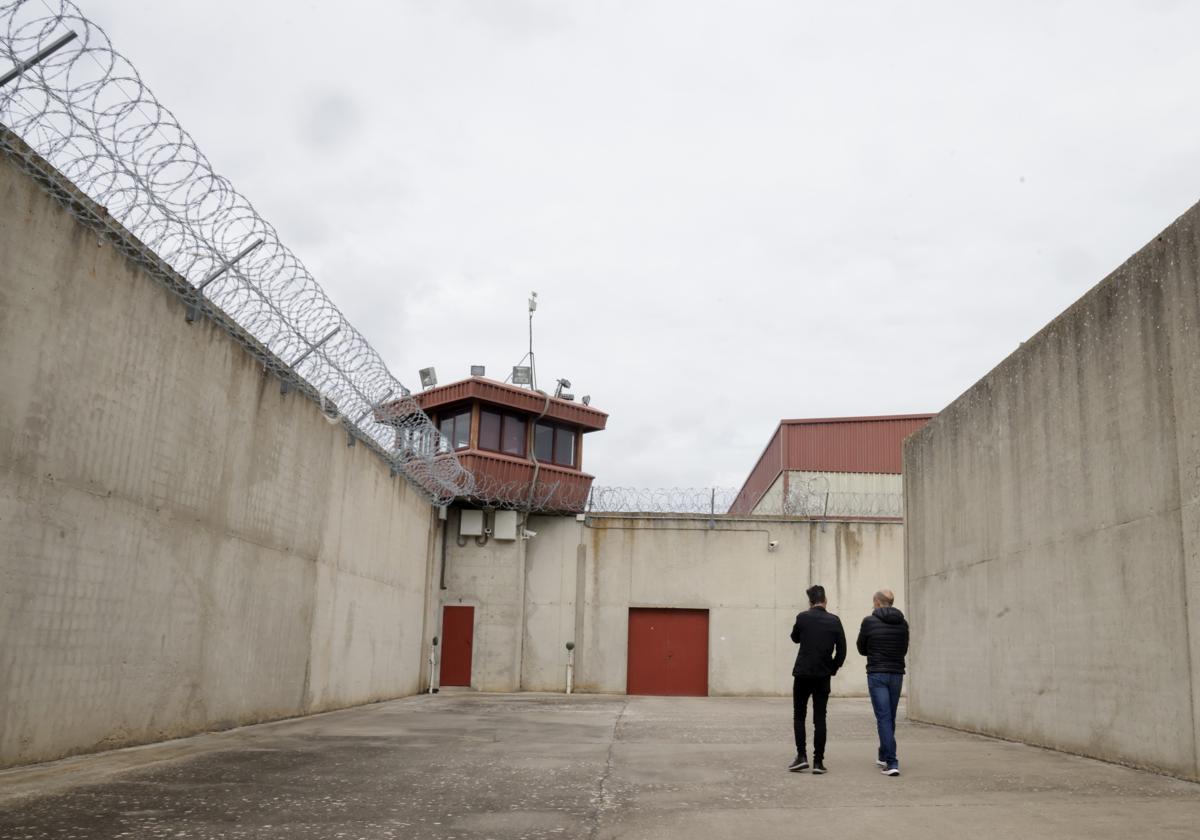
x: 668, y: 652
x: 458, y: 636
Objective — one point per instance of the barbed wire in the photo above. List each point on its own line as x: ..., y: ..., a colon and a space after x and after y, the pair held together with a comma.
x: 837, y: 504
x: 806, y: 501
x: 80, y: 105
x: 710, y: 500
x: 547, y: 495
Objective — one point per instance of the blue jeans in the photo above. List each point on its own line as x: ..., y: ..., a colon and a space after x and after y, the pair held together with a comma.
x: 885, y: 697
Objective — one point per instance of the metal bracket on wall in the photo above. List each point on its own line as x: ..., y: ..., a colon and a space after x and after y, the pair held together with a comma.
x: 37, y: 58
x: 375, y: 406
x: 194, y: 308
x: 285, y: 384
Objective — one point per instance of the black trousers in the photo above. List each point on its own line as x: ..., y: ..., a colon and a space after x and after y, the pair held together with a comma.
x: 818, y: 689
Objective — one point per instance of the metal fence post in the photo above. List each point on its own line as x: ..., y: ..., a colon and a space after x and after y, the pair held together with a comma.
x: 37, y: 58
x: 194, y: 309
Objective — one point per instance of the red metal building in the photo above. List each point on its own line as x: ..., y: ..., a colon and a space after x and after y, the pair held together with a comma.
x: 833, y: 445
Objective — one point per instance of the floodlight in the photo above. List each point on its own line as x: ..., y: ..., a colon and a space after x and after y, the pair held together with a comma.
x: 533, y: 302
x: 586, y: 399
x: 522, y: 375
x: 478, y: 370
x: 428, y: 377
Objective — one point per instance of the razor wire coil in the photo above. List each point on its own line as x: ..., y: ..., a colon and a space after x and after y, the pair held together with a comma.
x: 84, y: 109
x: 806, y: 501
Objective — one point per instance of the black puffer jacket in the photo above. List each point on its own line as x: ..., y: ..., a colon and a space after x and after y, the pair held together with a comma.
x: 883, y: 639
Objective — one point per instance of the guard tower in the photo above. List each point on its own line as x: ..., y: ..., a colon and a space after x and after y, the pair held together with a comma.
x: 524, y: 447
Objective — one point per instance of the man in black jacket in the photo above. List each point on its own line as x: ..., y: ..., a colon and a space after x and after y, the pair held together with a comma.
x: 822, y: 651
x: 883, y: 639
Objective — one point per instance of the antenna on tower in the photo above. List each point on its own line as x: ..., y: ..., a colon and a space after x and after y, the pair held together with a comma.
x: 532, y: 363
x: 522, y: 375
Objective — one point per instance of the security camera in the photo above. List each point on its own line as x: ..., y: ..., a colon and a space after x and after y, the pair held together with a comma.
x: 529, y: 534
x: 772, y: 545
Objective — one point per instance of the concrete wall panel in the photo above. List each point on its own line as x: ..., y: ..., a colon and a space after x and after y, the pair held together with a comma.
x: 181, y: 546
x: 1050, y: 529
x: 615, y: 563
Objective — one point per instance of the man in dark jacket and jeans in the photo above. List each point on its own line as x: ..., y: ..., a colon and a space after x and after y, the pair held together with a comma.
x: 883, y: 639
x: 822, y: 651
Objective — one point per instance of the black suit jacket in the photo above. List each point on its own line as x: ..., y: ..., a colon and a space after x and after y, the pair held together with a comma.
x: 822, y: 643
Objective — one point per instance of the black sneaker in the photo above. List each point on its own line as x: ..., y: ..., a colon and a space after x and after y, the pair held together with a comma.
x: 800, y: 762
x: 819, y: 767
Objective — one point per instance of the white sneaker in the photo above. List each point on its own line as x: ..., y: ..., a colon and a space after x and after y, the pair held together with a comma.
x: 891, y: 771
x: 880, y: 764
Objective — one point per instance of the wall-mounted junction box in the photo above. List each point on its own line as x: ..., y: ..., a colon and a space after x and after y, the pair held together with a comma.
x: 470, y: 523
x: 505, y: 525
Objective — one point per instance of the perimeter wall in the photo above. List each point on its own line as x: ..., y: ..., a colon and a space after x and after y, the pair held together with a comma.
x: 185, y: 548
x: 1053, y: 528
x: 576, y: 581
x: 182, y: 547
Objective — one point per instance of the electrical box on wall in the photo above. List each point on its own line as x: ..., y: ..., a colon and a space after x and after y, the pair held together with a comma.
x: 506, y: 525
x: 470, y: 523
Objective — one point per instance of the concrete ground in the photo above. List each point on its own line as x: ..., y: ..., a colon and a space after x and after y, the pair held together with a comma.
x: 548, y: 766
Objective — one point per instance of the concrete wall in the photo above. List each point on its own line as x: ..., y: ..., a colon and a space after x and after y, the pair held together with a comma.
x: 576, y: 582
x: 1053, y: 532
x: 181, y: 547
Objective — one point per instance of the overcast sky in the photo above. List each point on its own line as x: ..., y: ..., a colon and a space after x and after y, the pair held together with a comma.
x: 732, y: 212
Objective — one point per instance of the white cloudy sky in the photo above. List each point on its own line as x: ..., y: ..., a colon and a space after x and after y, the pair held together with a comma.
x: 732, y: 212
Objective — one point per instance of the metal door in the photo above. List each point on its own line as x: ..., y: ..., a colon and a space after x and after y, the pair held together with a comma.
x: 668, y: 652
x: 458, y: 637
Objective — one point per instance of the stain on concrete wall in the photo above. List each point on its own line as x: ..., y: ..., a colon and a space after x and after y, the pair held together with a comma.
x: 1053, y: 545
x: 181, y: 547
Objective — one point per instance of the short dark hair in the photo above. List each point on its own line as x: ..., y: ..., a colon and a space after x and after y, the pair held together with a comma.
x: 816, y: 594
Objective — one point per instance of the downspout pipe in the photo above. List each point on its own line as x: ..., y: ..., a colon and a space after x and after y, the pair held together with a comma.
x: 445, y: 536
x: 537, y: 466
x: 521, y: 542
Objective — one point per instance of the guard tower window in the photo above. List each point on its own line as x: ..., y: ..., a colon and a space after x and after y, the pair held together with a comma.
x: 456, y: 430
x: 502, y: 433
x: 564, y: 447
x: 554, y: 444
x: 489, y: 430
x: 512, y: 438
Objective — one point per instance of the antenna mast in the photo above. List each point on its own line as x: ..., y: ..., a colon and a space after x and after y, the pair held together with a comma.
x: 532, y: 383
x: 532, y: 363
